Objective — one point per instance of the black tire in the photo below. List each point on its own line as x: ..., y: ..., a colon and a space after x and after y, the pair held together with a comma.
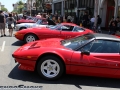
x: 46, y: 59
x: 30, y: 35
x: 22, y: 28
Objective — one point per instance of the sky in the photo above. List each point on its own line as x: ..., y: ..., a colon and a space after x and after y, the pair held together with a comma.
x: 8, y: 4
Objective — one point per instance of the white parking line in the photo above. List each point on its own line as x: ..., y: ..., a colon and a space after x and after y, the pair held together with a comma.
x: 3, y: 46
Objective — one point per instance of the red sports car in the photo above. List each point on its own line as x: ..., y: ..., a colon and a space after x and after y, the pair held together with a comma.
x: 64, y: 31
x: 25, y: 21
x: 89, y: 54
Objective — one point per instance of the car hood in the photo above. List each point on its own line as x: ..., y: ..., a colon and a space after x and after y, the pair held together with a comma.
x: 50, y: 43
x: 54, y: 42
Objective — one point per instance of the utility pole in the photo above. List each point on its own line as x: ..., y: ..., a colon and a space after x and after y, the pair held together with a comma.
x: 96, y: 11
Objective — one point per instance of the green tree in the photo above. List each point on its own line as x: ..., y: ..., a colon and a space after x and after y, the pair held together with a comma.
x: 4, y: 9
x: 20, y: 6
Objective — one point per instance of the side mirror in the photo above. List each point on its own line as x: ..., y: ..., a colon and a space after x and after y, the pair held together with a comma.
x: 85, y: 52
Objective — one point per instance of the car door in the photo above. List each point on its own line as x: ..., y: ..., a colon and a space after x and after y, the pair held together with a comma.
x: 48, y: 33
x: 104, y: 59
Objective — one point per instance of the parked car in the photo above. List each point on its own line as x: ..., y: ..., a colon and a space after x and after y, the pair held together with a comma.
x: 63, y: 30
x: 40, y: 23
x: 25, y: 21
x: 89, y: 55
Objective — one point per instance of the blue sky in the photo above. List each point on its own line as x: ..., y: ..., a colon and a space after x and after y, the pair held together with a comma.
x: 8, y: 4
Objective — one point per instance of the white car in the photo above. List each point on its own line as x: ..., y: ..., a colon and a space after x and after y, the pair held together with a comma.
x: 39, y: 23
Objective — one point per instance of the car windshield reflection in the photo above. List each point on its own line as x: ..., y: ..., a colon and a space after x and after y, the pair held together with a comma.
x: 77, y: 41
x: 39, y: 22
x: 54, y: 27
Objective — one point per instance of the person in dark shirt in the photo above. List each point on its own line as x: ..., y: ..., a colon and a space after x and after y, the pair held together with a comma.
x: 2, y: 24
x: 113, y: 28
x: 117, y: 22
x: 99, y: 20
x: 51, y: 21
x: 85, y: 19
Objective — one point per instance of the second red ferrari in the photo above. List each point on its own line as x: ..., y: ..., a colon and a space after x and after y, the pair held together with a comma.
x: 63, y: 30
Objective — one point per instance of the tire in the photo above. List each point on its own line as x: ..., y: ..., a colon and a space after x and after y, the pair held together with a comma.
x: 30, y: 38
x: 22, y: 28
x: 50, y: 68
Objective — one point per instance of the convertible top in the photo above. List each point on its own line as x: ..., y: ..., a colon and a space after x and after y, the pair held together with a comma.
x: 106, y: 37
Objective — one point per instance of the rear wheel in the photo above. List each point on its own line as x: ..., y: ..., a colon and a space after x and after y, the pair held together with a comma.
x: 30, y: 38
x: 50, y: 68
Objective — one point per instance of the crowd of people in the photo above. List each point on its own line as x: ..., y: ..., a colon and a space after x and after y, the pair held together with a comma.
x: 114, y: 25
x: 7, y: 20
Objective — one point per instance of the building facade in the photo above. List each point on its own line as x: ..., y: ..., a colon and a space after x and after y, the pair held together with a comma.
x: 106, y: 8
x: 31, y: 7
x: 47, y: 6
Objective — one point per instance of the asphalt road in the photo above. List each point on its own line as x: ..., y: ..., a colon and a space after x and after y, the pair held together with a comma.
x: 10, y: 75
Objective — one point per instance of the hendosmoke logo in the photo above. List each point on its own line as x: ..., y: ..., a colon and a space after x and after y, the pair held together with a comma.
x: 21, y: 87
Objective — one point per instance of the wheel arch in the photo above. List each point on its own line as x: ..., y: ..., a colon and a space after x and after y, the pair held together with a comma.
x: 22, y: 27
x: 51, y: 54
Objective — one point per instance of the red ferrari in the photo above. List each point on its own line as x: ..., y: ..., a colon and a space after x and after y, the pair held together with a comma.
x: 25, y: 21
x: 64, y: 31
x: 89, y: 55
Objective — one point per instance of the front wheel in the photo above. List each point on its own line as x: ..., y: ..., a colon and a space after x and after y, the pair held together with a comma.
x: 30, y: 38
x: 50, y: 68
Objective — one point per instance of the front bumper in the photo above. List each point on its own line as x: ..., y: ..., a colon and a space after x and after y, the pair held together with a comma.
x: 19, y: 36
x: 25, y: 64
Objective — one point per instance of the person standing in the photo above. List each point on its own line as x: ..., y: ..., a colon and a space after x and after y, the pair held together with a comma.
x: 99, y: 20
x: 2, y: 24
x: 113, y: 28
x: 38, y: 16
x: 15, y: 18
x: 10, y: 21
x: 92, y: 22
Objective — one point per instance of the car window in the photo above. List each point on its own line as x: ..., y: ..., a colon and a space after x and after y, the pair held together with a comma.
x: 102, y: 46
x: 55, y: 27
x: 39, y: 22
x: 78, y: 29
x: 67, y: 28
x: 76, y: 42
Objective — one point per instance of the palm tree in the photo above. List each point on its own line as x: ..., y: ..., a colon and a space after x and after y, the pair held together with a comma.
x: 20, y: 6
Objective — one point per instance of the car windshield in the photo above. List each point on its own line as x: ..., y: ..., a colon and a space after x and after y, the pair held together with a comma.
x: 54, y: 27
x: 39, y: 22
x: 77, y: 41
